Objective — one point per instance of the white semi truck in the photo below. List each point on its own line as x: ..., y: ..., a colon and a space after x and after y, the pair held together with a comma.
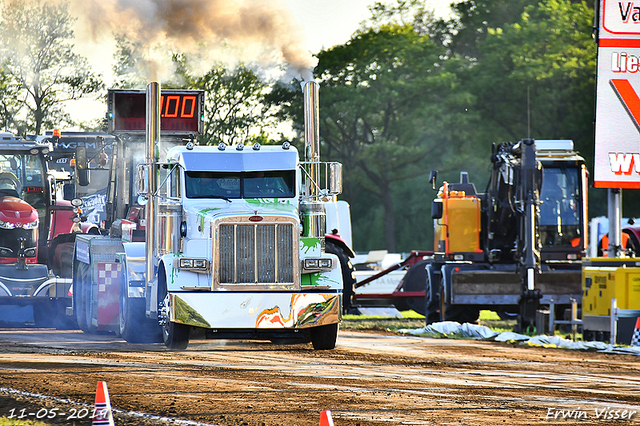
x: 233, y: 240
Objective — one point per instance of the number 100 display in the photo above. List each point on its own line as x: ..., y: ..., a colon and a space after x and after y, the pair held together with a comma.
x: 180, y: 111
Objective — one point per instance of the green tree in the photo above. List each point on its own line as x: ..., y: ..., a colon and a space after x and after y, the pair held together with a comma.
x: 37, y: 53
x: 129, y: 63
x: 236, y: 110
x: 9, y: 105
x: 389, y: 111
x: 534, y: 75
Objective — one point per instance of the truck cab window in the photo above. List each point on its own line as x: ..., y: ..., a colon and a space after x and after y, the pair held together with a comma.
x: 560, y: 209
x: 262, y: 184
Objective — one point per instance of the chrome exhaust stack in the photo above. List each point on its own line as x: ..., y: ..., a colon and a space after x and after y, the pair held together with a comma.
x: 312, y: 208
x: 151, y: 151
x: 312, y: 135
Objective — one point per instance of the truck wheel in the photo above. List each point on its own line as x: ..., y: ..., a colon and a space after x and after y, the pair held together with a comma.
x: 174, y: 335
x: 348, y: 278
x: 324, y: 337
x: 432, y: 297
x: 135, y: 327
x: 416, y: 280
x: 458, y: 313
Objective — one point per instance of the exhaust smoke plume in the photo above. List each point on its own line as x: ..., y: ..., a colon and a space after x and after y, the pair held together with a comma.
x: 261, y: 31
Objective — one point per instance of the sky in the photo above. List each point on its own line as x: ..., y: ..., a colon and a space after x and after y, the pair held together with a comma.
x: 327, y: 23
x: 320, y: 24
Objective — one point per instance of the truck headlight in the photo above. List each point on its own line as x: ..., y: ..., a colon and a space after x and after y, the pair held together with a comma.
x: 317, y: 264
x: 193, y: 264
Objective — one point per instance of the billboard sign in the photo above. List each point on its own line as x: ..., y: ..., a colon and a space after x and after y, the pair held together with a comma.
x: 617, y: 145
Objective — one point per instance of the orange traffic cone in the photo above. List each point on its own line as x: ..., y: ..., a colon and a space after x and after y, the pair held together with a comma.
x: 102, y: 411
x: 635, y: 340
x: 325, y: 418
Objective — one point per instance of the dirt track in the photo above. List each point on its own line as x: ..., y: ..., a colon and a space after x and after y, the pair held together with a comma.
x: 369, y: 379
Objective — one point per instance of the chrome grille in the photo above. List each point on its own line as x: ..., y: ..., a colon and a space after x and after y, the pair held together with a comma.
x: 256, y: 253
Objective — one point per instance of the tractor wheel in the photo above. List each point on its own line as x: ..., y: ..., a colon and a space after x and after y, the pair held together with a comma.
x: 174, y: 335
x: 348, y: 278
x: 324, y: 337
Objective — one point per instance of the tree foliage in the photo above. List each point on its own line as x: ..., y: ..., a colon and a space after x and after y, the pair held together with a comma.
x: 236, y: 110
x: 39, y: 64
x: 409, y: 93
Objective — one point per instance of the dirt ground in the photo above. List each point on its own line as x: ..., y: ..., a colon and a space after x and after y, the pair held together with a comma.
x: 369, y: 379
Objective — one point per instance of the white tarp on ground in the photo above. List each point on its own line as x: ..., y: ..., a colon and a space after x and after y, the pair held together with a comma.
x: 452, y: 329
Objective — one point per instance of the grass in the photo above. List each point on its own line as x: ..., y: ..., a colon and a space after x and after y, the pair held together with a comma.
x: 412, y: 319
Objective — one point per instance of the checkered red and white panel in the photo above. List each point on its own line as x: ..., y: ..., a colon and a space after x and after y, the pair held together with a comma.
x: 108, y: 272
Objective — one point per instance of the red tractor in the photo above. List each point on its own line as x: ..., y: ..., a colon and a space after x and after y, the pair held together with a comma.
x: 30, y: 221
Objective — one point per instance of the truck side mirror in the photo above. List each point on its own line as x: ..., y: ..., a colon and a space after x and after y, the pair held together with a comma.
x: 335, y: 182
x: 432, y: 178
x: 82, y: 166
x: 68, y: 191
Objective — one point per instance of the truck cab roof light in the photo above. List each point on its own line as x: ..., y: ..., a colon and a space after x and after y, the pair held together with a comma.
x: 256, y: 146
x: 222, y: 146
x: 240, y: 146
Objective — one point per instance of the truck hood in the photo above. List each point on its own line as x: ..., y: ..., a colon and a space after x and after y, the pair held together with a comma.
x: 201, y: 214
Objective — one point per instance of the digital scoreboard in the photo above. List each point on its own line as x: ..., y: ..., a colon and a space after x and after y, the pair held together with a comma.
x: 181, y: 111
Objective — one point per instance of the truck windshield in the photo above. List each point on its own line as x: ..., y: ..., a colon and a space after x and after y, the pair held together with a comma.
x: 560, y: 207
x: 263, y: 184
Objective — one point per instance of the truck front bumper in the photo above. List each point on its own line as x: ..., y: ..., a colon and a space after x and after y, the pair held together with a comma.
x: 256, y: 310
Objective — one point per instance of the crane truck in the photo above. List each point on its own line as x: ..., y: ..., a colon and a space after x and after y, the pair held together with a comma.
x: 515, y: 247
x: 230, y: 243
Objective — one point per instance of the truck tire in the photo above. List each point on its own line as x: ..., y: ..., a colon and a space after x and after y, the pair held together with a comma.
x: 348, y: 277
x: 416, y: 280
x: 324, y: 337
x: 458, y: 313
x: 135, y: 327
x: 174, y: 335
x: 432, y: 295
x: 81, y: 278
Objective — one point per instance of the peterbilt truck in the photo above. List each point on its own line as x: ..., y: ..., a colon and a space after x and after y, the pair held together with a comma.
x: 32, y: 216
x: 233, y: 239
x: 515, y: 247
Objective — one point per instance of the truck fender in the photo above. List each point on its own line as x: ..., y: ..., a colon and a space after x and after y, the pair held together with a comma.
x: 178, y: 278
x: 338, y: 241
x: 134, y: 263
x: 89, y: 228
